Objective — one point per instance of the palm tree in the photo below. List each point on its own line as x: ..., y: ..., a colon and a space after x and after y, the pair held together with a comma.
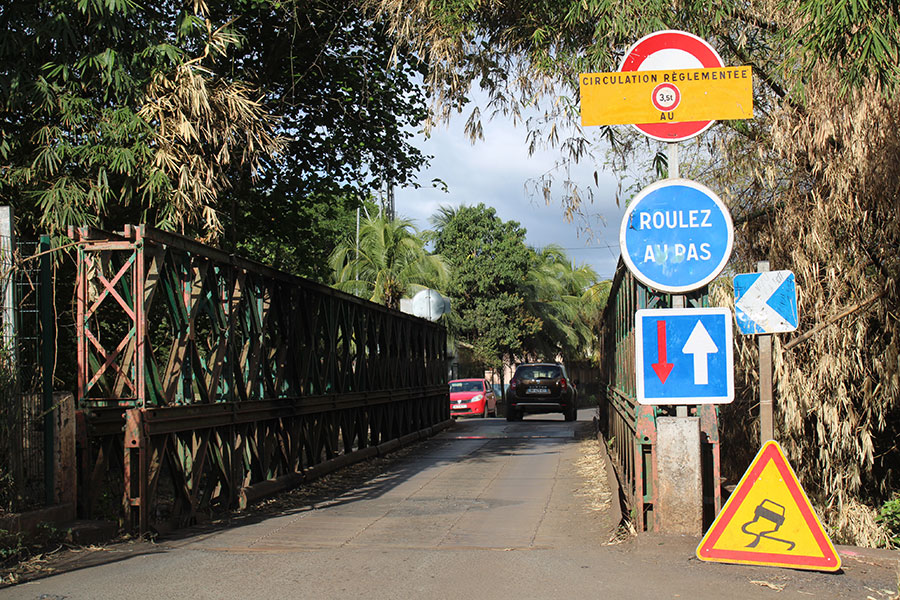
x: 565, y: 299
x: 593, y: 303
x: 445, y: 213
x: 391, y: 262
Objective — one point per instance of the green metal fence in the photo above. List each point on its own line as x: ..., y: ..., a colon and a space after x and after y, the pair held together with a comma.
x: 630, y: 427
x: 26, y: 422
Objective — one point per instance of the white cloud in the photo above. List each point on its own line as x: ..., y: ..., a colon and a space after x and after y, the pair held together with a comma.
x: 495, y: 171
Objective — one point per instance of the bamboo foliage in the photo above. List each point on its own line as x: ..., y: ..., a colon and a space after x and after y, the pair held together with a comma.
x: 204, y: 127
x: 831, y: 197
x: 839, y: 392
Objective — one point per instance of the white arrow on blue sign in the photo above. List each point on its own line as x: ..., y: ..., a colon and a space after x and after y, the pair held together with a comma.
x: 766, y: 302
x: 684, y: 356
x: 676, y: 235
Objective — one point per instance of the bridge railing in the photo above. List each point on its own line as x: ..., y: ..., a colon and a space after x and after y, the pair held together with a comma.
x: 224, y: 373
x: 629, y: 427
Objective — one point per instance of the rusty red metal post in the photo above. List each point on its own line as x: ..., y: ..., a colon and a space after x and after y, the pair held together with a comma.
x: 631, y: 428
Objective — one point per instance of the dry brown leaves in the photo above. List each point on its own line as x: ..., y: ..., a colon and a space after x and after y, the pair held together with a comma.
x: 592, y: 467
x: 836, y: 225
x: 205, y: 126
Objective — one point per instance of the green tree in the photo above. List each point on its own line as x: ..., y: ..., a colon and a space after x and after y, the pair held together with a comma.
x: 112, y: 111
x: 349, y: 104
x: 292, y: 233
x: 260, y: 124
x: 489, y: 263
x: 560, y: 296
x: 593, y: 305
x: 390, y: 263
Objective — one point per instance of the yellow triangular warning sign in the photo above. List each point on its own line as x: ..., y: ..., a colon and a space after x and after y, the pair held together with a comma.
x: 768, y: 520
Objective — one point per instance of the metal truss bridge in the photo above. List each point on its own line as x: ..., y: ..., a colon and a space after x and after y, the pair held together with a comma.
x: 204, y: 377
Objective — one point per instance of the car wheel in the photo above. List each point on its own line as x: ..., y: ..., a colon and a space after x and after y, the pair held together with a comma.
x: 571, y: 413
x: 511, y: 414
x: 484, y: 411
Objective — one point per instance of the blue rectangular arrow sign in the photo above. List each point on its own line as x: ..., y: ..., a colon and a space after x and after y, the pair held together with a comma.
x: 684, y: 356
x: 765, y: 302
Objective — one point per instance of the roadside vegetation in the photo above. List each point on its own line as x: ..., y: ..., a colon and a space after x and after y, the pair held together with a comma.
x: 509, y: 301
x: 263, y: 126
x: 257, y: 126
x: 387, y: 263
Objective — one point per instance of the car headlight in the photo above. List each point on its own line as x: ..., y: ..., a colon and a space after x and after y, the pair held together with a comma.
x: 477, y: 398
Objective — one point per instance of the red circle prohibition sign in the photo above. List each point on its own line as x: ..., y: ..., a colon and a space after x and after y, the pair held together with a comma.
x: 670, y: 50
x: 666, y: 97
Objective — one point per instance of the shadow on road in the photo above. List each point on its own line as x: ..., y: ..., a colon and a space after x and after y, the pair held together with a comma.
x: 466, y: 442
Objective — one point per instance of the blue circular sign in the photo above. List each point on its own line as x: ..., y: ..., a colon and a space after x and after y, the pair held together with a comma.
x: 676, y: 235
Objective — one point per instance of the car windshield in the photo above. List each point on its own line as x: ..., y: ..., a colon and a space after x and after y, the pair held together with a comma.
x: 466, y: 386
x: 538, y: 372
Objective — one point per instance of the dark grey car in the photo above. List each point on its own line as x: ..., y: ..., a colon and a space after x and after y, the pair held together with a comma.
x: 541, y: 388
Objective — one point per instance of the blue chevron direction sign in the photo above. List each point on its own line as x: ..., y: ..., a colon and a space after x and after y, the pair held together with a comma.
x: 765, y: 302
x: 684, y: 356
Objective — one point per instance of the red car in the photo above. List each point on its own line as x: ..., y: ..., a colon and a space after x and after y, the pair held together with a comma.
x: 472, y: 398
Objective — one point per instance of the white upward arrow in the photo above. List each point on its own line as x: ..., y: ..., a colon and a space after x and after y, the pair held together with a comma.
x: 700, y: 345
x: 754, y: 302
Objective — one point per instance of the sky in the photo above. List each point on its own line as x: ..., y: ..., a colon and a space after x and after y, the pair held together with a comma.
x: 495, y: 171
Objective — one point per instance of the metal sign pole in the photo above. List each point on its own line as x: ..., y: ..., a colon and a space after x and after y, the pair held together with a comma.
x: 766, y: 404
x: 658, y: 252
x: 678, y: 300
x: 672, y: 153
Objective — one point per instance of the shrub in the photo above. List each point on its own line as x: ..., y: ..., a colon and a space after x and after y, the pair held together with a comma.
x: 889, y: 517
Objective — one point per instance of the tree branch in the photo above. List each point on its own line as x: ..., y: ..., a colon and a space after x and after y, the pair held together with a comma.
x: 856, y: 307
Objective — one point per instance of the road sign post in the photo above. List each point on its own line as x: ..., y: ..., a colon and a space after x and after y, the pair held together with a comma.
x: 677, y: 235
x: 678, y: 300
x: 765, y: 302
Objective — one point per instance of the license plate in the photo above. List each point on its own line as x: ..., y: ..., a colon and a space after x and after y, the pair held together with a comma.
x: 459, y: 407
x: 538, y: 390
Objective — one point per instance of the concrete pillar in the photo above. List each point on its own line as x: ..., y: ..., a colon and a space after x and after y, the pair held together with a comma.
x: 66, y: 474
x: 680, y: 468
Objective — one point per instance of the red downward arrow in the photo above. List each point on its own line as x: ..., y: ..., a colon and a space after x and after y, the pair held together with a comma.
x: 662, y: 368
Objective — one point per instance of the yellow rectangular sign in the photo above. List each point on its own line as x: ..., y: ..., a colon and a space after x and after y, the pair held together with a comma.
x: 639, y: 97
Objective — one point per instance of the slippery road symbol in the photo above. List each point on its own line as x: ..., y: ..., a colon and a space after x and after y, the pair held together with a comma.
x: 767, y: 514
x: 768, y: 520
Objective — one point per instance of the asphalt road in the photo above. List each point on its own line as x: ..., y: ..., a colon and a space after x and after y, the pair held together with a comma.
x: 485, y: 510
